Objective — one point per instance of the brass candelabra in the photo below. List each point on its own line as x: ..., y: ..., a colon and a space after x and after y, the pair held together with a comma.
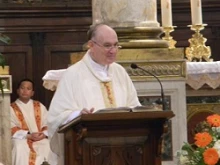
x: 197, y: 50
x: 168, y: 37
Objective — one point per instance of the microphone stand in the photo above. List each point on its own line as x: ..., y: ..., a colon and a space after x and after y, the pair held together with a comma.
x: 135, y: 66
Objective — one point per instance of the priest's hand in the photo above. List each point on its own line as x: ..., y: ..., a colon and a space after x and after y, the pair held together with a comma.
x: 86, y: 111
x: 36, y: 136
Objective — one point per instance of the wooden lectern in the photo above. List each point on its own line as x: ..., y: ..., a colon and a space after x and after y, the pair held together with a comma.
x: 124, y: 138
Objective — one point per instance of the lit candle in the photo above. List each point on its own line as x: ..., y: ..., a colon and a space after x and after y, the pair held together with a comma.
x: 166, y: 13
x: 196, y: 12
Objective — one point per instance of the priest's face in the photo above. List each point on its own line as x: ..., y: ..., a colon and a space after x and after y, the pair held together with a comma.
x: 104, y: 46
x: 25, y: 91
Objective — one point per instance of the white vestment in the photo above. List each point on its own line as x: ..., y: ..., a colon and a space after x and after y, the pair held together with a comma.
x: 81, y: 86
x: 20, y: 147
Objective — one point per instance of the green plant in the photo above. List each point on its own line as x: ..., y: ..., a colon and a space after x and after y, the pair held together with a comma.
x: 6, y: 40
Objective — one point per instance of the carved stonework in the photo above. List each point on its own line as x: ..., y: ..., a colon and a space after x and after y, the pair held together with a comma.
x: 162, y: 69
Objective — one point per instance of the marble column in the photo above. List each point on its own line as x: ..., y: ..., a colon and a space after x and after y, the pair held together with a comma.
x: 5, y: 125
x: 134, y: 20
x: 125, y: 13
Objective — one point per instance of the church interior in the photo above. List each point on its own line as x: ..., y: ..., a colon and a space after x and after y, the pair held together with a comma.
x: 180, y: 44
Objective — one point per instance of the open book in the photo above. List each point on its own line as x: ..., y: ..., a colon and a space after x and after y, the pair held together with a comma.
x: 128, y: 109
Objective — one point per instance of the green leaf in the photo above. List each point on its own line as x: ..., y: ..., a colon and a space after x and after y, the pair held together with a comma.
x: 187, y: 147
x: 5, y: 39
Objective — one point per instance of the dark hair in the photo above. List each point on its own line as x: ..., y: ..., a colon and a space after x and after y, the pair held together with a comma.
x: 25, y: 79
x: 93, y: 29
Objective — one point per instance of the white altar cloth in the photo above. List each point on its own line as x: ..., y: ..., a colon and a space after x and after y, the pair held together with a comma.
x: 201, y: 73
x: 198, y: 74
x: 51, y: 78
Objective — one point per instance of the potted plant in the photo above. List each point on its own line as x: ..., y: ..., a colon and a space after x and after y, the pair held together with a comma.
x: 6, y: 40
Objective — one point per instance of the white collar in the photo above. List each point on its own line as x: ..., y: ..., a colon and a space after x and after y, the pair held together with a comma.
x: 98, y: 67
x: 101, y: 70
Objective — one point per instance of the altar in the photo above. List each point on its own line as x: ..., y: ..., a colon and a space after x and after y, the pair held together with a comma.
x: 203, y: 73
x: 198, y: 75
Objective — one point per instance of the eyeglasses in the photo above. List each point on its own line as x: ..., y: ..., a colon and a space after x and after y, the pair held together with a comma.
x: 108, y: 46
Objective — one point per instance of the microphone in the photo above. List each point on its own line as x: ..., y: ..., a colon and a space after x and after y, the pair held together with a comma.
x: 135, y: 66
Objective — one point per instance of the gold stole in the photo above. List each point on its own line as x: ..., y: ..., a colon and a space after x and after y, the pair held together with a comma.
x: 108, y: 94
x: 37, y: 113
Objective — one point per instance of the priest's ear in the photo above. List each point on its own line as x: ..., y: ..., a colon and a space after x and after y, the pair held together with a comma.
x: 90, y: 44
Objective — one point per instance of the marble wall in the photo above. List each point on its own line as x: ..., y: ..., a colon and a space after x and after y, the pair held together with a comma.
x: 125, y: 13
x: 176, y: 91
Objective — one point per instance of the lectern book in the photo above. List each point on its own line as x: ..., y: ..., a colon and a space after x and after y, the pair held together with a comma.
x: 128, y: 109
x: 148, y: 108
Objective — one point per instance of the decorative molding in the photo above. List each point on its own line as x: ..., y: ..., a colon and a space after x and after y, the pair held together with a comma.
x: 193, y: 109
x: 7, y: 83
x: 162, y: 69
x: 81, y: 133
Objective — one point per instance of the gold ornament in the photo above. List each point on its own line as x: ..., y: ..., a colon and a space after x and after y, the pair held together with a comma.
x: 198, y: 51
x: 168, y: 37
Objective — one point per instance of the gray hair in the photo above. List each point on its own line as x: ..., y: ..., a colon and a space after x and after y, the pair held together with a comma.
x: 93, y: 29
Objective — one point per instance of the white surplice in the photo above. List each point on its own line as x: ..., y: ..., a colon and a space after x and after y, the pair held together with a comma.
x: 80, y: 87
x: 20, y: 148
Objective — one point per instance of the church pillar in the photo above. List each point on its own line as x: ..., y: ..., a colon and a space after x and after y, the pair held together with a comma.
x: 5, y: 124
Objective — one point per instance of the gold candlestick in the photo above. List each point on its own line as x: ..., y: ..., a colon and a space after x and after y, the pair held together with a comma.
x: 198, y: 51
x: 168, y: 37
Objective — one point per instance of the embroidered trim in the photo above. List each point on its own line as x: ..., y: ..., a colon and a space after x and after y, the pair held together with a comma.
x: 19, y: 116
x: 108, y: 94
x: 37, y: 113
x: 15, y: 129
